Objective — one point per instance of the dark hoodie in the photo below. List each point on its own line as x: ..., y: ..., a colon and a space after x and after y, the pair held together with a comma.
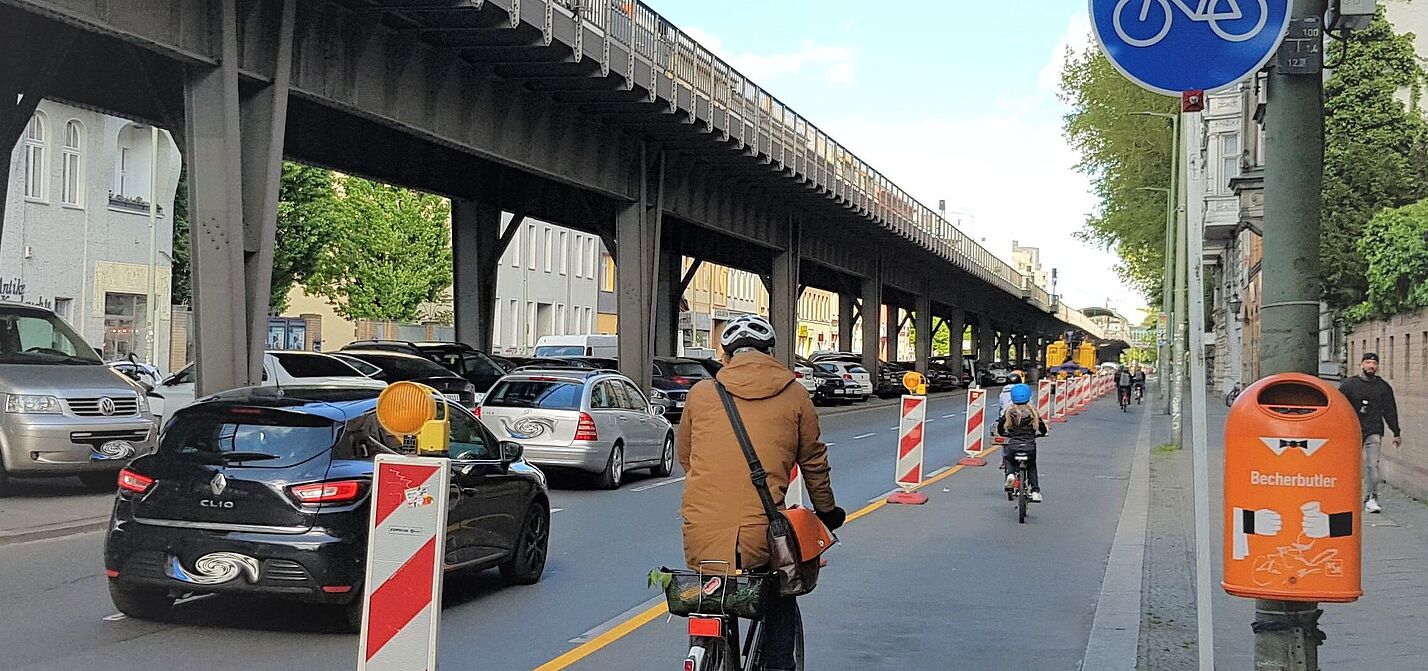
x: 721, y: 509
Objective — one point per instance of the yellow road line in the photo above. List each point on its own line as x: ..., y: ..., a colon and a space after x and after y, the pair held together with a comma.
x: 627, y: 627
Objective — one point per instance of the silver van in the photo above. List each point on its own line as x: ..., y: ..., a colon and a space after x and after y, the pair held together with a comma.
x: 62, y: 411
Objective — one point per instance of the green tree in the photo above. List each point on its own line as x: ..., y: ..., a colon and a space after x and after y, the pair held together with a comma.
x: 390, y: 251
x: 307, y: 213
x: 1374, y: 149
x: 1127, y: 156
x: 1394, y: 248
x: 180, y: 282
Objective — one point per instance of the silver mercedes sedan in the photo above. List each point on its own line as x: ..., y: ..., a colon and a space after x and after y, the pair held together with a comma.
x: 595, y: 421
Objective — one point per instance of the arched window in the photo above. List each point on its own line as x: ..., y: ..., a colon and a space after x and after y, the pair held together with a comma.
x: 35, y: 158
x: 71, y: 170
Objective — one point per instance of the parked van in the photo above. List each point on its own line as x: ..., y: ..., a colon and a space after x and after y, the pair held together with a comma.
x: 605, y: 346
x: 65, y: 412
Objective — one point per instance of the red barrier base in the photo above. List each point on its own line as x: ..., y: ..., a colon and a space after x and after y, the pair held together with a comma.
x: 971, y: 461
x: 1059, y: 418
x: 908, y: 499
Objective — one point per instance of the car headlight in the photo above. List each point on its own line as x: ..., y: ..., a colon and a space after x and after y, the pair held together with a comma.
x: 143, y: 404
x: 31, y: 404
x: 658, y: 395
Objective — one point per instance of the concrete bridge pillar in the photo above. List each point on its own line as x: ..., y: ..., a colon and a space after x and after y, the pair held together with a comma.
x: 956, y: 328
x: 234, y: 151
x: 668, y: 296
x: 784, y: 292
x: 637, y: 237
x: 923, y: 326
x: 1004, y: 339
x: 986, y: 336
x: 872, y: 311
x: 846, y: 314
x: 477, y: 244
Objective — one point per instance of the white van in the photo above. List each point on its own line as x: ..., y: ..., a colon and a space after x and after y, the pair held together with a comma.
x: 605, y: 346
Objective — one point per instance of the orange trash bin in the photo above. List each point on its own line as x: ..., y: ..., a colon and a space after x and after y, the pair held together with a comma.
x: 1293, y: 484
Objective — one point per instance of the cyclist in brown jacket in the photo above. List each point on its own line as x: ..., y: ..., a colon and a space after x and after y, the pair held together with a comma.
x: 723, y: 519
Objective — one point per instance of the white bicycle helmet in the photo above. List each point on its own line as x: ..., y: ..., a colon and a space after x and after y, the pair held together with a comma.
x: 747, y: 331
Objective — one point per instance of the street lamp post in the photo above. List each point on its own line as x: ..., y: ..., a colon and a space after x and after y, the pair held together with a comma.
x: 1169, y: 288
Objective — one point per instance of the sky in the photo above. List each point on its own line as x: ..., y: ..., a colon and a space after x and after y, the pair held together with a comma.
x: 951, y: 99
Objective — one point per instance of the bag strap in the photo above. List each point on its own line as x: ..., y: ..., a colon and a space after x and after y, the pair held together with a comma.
x: 757, y: 474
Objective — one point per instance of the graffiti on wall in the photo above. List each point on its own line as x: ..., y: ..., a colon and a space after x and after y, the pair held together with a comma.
x: 13, y: 290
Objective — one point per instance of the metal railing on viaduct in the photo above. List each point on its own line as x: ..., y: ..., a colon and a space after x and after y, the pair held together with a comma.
x: 599, y: 115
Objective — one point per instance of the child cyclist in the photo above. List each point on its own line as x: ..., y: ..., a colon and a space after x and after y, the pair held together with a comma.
x: 1021, y: 425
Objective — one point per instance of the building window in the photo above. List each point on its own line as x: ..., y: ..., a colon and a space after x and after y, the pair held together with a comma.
x: 515, y: 251
x: 589, y: 321
x: 560, y: 318
x: 1390, y: 357
x: 72, y: 177
x: 124, y: 325
x: 64, y: 307
x: 131, y: 173
x: 531, y: 245
x: 530, y: 324
x: 35, y: 158
x: 515, y: 324
x: 1229, y: 161
x: 590, y: 253
x: 547, y: 248
x: 564, y: 250
x: 1407, y: 354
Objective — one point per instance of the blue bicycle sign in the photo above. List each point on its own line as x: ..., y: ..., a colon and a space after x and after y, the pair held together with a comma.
x: 1172, y: 46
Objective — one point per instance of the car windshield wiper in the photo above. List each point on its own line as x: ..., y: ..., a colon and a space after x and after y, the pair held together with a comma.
x: 246, y: 456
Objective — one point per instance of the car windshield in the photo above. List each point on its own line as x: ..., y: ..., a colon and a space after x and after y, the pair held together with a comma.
x: 361, y: 366
x: 33, y: 337
x: 560, y: 350
x: 689, y: 369
x: 248, y: 437
x: 314, y: 365
x: 828, y: 368
x: 857, y: 369
x: 399, y: 367
x: 545, y: 394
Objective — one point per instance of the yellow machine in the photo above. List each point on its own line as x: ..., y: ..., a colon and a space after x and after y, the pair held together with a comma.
x: 409, y: 411
x: 1086, y: 356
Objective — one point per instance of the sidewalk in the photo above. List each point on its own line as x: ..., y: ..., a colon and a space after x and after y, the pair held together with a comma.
x: 36, y: 509
x: 1383, y: 630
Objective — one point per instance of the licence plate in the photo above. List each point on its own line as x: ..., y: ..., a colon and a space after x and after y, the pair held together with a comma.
x: 679, y: 404
x: 452, y: 397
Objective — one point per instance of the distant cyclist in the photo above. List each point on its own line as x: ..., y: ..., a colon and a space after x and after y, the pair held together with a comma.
x: 1138, y: 383
x: 1124, y: 380
x: 723, y: 518
x: 1021, y: 425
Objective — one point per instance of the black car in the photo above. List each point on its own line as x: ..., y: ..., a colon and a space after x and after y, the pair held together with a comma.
x: 829, y: 387
x: 265, y: 492
x: 480, y: 369
x: 888, y: 382
x: 398, y: 367
x: 672, y: 377
x: 941, y: 377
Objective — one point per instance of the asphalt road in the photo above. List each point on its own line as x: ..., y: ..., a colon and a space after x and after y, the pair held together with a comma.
x: 58, y: 615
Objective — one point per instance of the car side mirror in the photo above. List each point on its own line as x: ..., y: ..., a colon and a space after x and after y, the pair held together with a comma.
x: 657, y: 410
x: 511, y: 452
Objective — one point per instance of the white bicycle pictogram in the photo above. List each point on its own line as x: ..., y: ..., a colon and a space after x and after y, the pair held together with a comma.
x: 1208, y: 11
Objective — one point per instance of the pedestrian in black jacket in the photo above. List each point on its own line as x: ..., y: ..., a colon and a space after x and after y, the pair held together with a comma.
x: 1372, y: 398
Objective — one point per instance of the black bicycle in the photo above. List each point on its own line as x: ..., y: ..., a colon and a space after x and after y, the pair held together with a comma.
x: 715, y: 643
x: 1021, y: 485
x: 1233, y: 394
x: 1124, y: 395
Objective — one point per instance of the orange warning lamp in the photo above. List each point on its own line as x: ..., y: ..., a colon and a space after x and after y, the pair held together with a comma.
x: 915, y: 382
x: 409, y: 411
x: 1293, y: 469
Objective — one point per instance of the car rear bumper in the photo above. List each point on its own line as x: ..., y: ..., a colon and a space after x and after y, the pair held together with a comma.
x: 590, y: 457
x: 61, y: 445
x: 317, y: 566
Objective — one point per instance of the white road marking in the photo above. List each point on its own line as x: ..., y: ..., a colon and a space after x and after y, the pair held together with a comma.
x: 948, y: 416
x: 645, y: 488
x: 115, y: 617
x: 938, y: 472
x: 555, y: 510
x: 613, y: 622
x: 866, y: 435
x: 829, y: 444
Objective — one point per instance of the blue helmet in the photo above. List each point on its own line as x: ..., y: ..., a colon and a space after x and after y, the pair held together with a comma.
x: 1021, y: 394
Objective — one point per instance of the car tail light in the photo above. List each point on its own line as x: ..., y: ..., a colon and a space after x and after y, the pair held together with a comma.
x: 680, y: 379
x: 130, y: 481
x: 586, y: 430
x: 797, y: 375
x: 847, y: 376
x: 336, y: 491
x: 111, y: 573
x: 476, y: 411
x: 707, y: 627
x: 689, y: 665
x: 336, y: 589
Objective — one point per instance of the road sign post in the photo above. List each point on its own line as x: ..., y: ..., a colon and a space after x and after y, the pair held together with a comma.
x: 1175, y: 46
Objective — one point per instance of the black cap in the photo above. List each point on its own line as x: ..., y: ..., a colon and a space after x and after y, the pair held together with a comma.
x: 1370, y: 356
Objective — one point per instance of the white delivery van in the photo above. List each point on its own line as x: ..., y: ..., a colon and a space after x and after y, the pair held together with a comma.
x: 578, y: 345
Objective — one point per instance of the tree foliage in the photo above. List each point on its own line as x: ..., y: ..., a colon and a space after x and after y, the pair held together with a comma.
x: 180, y: 282
x: 1374, y: 150
x: 307, y: 225
x: 390, y: 251
x: 1127, y: 156
x: 1394, y: 249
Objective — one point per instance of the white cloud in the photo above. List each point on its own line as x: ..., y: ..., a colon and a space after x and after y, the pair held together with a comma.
x: 835, y: 63
x: 1014, y: 174
x: 1077, y: 38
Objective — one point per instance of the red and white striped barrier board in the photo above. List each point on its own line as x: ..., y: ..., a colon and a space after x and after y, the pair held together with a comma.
x: 406, y: 549
x: 975, y: 436
x: 795, y: 494
x: 1043, y: 399
x: 909, y: 451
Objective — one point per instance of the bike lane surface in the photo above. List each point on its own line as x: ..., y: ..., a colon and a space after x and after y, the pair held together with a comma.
x: 957, y: 583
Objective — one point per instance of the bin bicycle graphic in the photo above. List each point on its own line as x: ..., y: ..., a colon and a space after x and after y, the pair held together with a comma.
x: 1212, y: 12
